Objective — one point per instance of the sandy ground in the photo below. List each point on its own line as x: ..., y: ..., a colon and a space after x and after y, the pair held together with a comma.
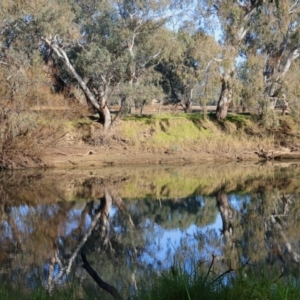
x: 89, y: 156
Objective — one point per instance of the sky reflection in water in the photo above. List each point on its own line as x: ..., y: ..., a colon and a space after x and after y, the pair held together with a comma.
x: 134, y: 234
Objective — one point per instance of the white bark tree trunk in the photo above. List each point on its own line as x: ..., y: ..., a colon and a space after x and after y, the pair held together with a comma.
x: 101, y: 105
x: 225, y: 98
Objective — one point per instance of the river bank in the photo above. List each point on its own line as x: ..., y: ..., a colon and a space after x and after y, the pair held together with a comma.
x: 88, y: 156
x: 172, y: 139
x: 167, y: 138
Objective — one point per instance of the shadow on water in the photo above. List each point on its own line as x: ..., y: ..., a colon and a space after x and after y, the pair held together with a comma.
x: 132, y: 222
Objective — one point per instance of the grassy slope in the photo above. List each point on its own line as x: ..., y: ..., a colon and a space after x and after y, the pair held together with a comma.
x: 193, y: 131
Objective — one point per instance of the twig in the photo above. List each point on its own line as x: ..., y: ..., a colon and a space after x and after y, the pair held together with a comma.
x: 247, y: 263
x: 105, y: 286
x: 211, y: 265
x: 90, y: 152
x: 222, y: 275
x: 281, y: 275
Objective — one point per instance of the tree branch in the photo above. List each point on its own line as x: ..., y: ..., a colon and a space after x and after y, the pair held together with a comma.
x: 295, y: 53
x: 293, y: 7
x: 242, y: 31
x: 105, y: 286
x: 62, y: 54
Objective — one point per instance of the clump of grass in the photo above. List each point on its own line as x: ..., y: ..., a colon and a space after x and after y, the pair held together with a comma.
x: 249, y: 282
x: 70, y: 291
x: 204, y: 281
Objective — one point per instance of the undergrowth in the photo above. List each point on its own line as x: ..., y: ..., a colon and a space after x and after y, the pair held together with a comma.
x: 203, y: 282
x: 24, y: 136
x: 249, y: 282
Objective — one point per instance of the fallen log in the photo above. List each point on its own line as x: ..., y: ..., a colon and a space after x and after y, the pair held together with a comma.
x: 278, y: 154
x: 291, y: 155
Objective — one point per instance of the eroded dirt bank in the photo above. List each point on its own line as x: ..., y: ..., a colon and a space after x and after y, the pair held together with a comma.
x: 172, y: 139
x: 66, y: 141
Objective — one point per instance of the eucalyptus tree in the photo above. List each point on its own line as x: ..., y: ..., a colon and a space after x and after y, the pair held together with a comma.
x: 189, y: 68
x: 235, y: 19
x: 23, y: 23
x: 25, y: 81
x: 108, y: 48
x: 264, y: 33
x: 114, y: 57
x: 279, y: 29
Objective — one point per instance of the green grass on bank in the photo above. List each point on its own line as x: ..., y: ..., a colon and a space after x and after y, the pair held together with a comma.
x: 177, y: 133
x: 249, y: 282
x: 244, y: 284
x: 27, y: 136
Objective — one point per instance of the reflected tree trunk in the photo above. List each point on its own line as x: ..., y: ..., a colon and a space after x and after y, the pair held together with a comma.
x: 279, y: 232
x: 226, y: 215
x: 104, y: 285
x: 121, y: 206
x: 104, y: 219
x: 66, y: 270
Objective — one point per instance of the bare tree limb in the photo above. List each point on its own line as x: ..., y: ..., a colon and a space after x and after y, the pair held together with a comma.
x: 244, y: 28
x: 293, y: 7
x: 62, y: 54
x: 295, y: 53
x: 105, y: 286
x: 101, y: 107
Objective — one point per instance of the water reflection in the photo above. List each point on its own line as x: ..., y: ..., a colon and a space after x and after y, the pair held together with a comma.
x: 134, y: 222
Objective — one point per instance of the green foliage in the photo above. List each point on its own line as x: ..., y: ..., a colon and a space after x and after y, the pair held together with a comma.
x: 10, y: 291
x: 178, y: 283
x: 269, y: 118
x: 251, y: 76
x: 202, y: 283
x: 131, y: 47
x: 189, y: 72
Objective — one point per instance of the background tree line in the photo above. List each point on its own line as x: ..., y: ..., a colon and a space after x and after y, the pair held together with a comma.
x: 239, y: 54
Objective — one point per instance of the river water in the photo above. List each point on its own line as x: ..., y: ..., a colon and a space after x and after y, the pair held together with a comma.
x: 133, y: 222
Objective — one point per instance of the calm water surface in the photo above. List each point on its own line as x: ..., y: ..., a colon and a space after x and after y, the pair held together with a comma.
x: 133, y: 222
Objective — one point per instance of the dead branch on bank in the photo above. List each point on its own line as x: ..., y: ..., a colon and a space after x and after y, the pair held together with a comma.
x: 277, y: 154
x: 105, y: 286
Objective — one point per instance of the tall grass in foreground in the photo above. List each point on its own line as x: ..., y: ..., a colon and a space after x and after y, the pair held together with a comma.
x: 71, y: 291
x: 250, y: 282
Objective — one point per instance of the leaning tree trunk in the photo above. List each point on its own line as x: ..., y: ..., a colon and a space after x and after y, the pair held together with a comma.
x: 225, y: 98
x: 101, y: 107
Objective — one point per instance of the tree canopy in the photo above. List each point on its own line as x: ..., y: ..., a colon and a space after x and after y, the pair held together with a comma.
x: 239, y: 54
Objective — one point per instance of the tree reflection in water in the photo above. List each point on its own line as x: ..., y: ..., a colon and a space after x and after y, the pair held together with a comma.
x: 44, y: 226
